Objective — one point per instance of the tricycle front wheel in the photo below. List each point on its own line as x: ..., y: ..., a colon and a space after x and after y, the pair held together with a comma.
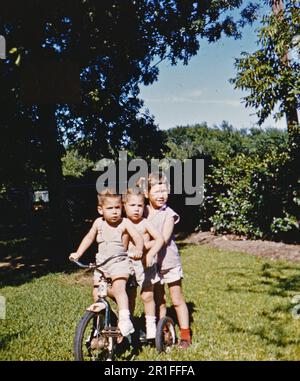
x: 89, y: 343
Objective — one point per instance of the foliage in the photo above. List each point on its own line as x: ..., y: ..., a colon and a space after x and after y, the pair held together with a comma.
x: 197, y: 140
x: 257, y: 196
x: 272, y: 78
x: 20, y: 152
x: 240, y: 309
x: 113, y: 60
x: 221, y: 142
x: 75, y: 165
x: 268, y: 75
x: 251, y: 186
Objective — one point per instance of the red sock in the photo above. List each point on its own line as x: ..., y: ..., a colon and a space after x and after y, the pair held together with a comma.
x: 185, y: 334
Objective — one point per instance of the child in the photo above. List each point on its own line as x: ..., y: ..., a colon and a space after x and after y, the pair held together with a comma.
x: 145, y: 269
x: 169, y: 263
x: 109, y: 232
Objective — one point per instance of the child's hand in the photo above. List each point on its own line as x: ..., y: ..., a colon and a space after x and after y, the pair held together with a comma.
x: 150, y: 260
x: 74, y: 257
x: 135, y: 254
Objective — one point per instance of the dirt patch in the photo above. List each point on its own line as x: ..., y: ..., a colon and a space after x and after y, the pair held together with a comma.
x: 230, y: 242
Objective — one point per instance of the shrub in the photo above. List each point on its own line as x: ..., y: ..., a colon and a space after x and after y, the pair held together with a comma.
x: 252, y: 184
x: 258, y: 197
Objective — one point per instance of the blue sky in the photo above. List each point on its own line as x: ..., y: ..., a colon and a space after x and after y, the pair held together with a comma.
x: 201, y: 90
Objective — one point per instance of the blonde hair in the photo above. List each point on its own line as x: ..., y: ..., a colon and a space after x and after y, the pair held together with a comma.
x: 107, y: 193
x: 155, y: 178
x: 133, y: 192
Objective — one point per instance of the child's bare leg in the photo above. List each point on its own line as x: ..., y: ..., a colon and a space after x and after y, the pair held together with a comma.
x: 160, y: 300
x: 181, y: 310
x: 147, y: 296
x: 179, y: 304
x: 119, y: 291
x: 110, y: 294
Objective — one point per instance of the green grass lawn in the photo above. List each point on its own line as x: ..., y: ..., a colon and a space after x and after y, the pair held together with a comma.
x: 240, y: 310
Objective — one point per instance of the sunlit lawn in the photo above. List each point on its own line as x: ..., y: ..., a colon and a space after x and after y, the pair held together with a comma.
x: 240, y: 310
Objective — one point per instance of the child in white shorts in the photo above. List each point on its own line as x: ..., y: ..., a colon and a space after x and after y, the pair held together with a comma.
x: 163, y: 219
x: 145, y: 269
x: 110, y: 232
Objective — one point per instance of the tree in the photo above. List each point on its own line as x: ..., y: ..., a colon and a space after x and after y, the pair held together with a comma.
x: 269, y: 75
x: 111, y: 45
x: 273, y: 79
x: 75, y: 165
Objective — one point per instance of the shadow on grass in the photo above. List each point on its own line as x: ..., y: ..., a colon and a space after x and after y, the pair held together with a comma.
x: 25, y: 259
x: 279, y: 314
x: 172, y: 313
x: 270, y: 333
x: 276, y: 281
x: 273, y: 278
x: 128, y: 351
x: 244, y: 285
x: 182, y: 245
x: 279, y: 283
x: 6, y: 339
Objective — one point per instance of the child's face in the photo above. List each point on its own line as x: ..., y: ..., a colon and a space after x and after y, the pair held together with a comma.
x: 134, y: 207
x: 158, y: 195
x: 111, y: 210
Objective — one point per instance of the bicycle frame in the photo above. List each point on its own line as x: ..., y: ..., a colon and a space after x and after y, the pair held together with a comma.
x: 107, y: 332
x: 104, y: 333
x: 101, y: 303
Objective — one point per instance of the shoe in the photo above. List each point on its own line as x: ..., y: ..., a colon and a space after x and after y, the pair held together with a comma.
x: 126, y: 327
x: 184, y: 344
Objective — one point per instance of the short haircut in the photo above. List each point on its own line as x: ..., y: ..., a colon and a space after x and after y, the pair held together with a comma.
x: 154, y: 178
x: 133, y: 192
x: 106, y: 194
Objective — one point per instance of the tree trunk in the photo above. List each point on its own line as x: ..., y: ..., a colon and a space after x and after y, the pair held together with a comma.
x: 277, y: 6
x: 60, y: 222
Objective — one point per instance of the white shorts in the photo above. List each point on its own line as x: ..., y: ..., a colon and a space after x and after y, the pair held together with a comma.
x: 145, y: 276
x: 113, y: 268
x: 171, y: 275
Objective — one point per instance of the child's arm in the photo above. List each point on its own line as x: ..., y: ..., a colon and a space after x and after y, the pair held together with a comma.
x: 168, y: 229
x: 125, y: 240
x: 166, y: 233
x: 136, y: 237
x: 156, y: 244
x: 85, y: 243
x: 149, y: 244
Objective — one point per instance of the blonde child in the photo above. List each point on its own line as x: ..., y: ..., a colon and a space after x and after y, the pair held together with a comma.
x: 145, y: 270
x: 163, y: 219
x: 110, y: 233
